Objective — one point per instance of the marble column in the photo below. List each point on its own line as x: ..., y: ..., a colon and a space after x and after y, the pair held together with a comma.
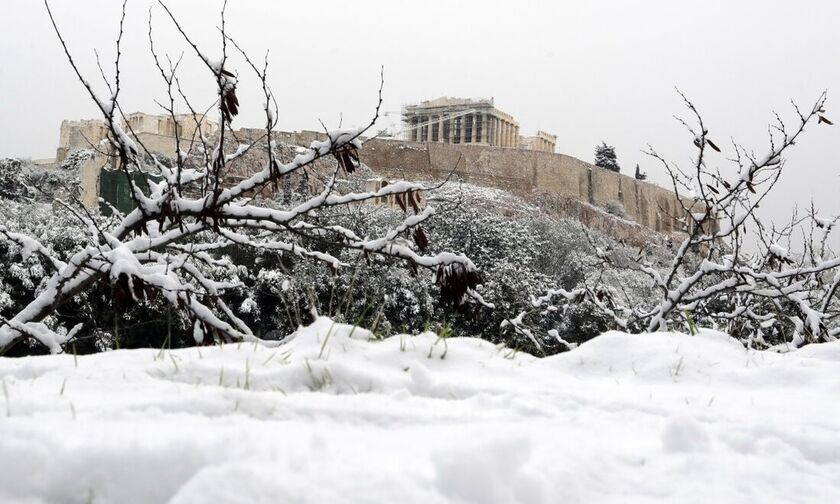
x: 493, y: 140
x: 463, y: 132
x: 492, y: 131
x: 475, y: 134
x: 468, y: 128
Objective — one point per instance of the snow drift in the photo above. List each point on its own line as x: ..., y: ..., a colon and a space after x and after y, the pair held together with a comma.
x: 333, y: 415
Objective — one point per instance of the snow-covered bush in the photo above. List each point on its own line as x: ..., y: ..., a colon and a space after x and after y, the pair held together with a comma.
x: 22, y: 181
x: 13, y: 182
x: 76, y: 159
x: 615, y: 207
x: 522, y: 252
x: 52, y: 183
x: 107, y: 325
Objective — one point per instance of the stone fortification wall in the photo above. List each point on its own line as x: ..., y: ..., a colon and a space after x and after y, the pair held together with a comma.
x: 523, y: 171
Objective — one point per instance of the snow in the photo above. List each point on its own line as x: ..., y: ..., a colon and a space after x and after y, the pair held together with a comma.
x: 242, y: 149
x: 778, y: 251
x: 333, y: 415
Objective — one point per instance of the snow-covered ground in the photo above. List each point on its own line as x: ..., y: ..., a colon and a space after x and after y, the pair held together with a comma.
x: 330, y: 417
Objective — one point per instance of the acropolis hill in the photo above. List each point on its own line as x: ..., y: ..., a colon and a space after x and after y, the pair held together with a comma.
x: 472, y: 137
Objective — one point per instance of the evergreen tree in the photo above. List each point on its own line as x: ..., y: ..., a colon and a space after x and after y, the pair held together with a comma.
x: 605, y: 157
x: 639, y: 174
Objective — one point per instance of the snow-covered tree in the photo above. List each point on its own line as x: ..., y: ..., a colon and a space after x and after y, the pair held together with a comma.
x: 639, y: 175
x: 720, y: 214
x: 605, y: 157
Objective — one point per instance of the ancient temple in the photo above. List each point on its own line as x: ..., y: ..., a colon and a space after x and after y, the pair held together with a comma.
x: 460, y: 121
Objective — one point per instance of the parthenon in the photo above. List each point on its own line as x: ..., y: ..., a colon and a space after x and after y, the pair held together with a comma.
x: 460, y: 121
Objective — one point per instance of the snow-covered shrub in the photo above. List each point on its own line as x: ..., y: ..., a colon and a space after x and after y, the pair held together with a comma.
x: 76, y: 159
x: 583, y: 321
x: 146, y: 323
x: 51, y: 183
x: 22, y: 181
x: 522, y: 252
x: 615, y: 207
x: 13, y: 182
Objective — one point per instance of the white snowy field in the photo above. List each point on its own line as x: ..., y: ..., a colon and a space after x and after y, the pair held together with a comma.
x: 330, y: 417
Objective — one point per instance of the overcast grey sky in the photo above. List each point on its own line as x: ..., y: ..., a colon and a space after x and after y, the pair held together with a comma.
x: 586, y: 70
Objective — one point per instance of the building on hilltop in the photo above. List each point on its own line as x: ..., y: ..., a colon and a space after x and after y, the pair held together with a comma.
x: 156, y: 132
x: 468, y: 121
x: 76, y: 135
x: 161, y: 135
x: 460, y: 121
x: 542, y: 141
